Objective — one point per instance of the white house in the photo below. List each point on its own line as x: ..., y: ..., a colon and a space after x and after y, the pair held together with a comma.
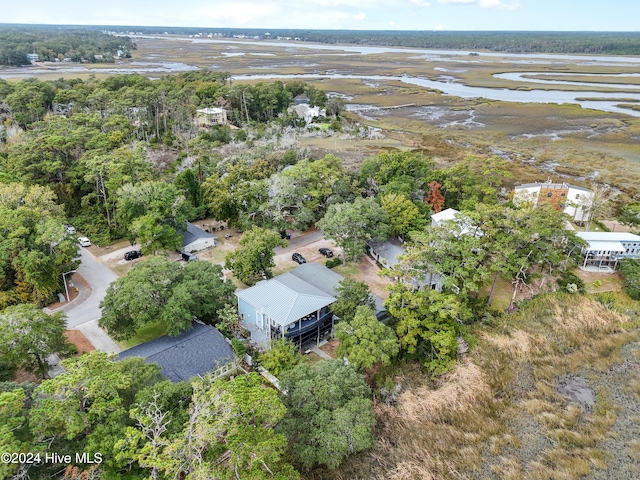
x: 307, y: 112
x: 208, y: 117
x: 571, y: 199
x: 605, y: 249
x: 195, y: 239
x: 387, y: 254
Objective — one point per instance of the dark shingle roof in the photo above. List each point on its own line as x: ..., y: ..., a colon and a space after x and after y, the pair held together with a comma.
x: 195, y: 352
x: 193, y: 233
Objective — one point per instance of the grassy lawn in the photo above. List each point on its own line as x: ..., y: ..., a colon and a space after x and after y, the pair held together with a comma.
x: 145, y: 334
x: 311, y: 358
x: 349, y: 271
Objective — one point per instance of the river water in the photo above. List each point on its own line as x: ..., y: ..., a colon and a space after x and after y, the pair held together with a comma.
x: 447, y: 85
x: 502, y: 94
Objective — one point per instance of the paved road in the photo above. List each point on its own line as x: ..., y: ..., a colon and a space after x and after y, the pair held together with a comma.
x: 84, y: 316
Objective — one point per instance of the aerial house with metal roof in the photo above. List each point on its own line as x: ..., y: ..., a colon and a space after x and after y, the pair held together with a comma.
x: 285, y: 307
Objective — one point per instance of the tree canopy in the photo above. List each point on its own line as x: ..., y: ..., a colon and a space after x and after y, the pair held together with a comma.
x: 352, y: 224
x: 329, y: 414
x: 28, y: 336
x: 34, y: 248
x: 350, y: 295
x: 254, y: 259
x: 365, y: 341
x: 159, y: 290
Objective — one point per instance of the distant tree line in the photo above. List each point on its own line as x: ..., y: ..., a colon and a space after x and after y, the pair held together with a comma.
x: 608, y: 43
x: 53, y: 43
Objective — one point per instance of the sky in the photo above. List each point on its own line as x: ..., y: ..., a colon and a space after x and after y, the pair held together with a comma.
x: 561, y: 15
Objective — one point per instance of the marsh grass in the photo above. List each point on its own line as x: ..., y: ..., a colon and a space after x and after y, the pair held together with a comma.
x: 499, y: 413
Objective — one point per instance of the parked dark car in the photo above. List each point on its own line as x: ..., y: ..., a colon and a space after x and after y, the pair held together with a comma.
x: 327, y: 252
x: 132, y: 255
x: 296, y: 257
x: 188, y: 257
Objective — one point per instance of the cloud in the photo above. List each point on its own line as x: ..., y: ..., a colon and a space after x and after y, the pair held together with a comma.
x: 439, y: 28
x: 484, y: 3
x: 359, y: 16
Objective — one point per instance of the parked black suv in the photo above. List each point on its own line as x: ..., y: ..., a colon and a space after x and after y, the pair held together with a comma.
x: 188, y: 257
x: 296, y: 257
x: 132, y: 255
x: 327, y: 252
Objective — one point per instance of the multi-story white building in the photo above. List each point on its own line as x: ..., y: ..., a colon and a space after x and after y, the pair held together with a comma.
x: 605, y: 249
x: 208, y: 117
x: 572, y: 200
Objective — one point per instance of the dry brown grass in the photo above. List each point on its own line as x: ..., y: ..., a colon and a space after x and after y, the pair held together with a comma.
x: 499, y: 413
x: 517, y: 343
x: 424, y: 437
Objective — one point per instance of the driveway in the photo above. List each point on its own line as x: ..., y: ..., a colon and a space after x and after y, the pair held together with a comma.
x: 84, y: 316
x: 307, y: 244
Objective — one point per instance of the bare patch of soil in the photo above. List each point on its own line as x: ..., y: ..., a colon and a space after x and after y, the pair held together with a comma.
x: 22, y: 376
x: 330, y: 348
x: 77, y: 338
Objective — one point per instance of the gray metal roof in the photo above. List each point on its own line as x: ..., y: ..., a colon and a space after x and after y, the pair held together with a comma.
x: 285, y: 298
x: 319, y: 276
x: 326, y: 280
x: 608, y: 236
x: 195, y: 352
x: 387, y: 251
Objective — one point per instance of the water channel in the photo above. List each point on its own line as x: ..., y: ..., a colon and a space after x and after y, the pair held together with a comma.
x: 448, y: 86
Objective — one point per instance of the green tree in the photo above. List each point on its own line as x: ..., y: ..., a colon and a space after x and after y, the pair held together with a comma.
x: 630, y: 214
x: 525, y: 241
x: 12, y: 421
x: 396, y: 172
x: 304, y: 191
x: 351, y: 294
x: 156, y: 291
x: 474, y: 180
x: 78, y: 400
x: 427, y: 324
x: 329, y: 414
x: 335, y: 106
x: 404, y: 216
x: 155, y: 213
x: 630, y: 270
x: 282, y: 356
x: 453, y: 254
x: 34, y: 248
x: 229, y: 434
x: 352, y: 224
x: 28, y: 336
x: 254, y: 258
x: 366, y: 341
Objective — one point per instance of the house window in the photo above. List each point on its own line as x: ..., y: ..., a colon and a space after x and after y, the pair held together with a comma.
x: 563, y: 194
x: 549, y: 195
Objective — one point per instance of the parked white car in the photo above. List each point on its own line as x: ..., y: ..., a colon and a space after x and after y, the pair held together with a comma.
x: 70, y: 229
x: 84, y: 242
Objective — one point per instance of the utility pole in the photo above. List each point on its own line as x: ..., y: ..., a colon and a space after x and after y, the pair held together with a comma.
x: 66, y: 288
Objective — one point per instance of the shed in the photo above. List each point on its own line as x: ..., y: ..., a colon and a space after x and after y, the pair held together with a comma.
x: 195, y: 239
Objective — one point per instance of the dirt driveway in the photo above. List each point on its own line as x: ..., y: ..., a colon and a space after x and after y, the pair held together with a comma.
x: 306, y: 244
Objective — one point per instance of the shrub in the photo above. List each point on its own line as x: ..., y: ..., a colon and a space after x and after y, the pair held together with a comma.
x: 239, y: 347
x: 333, y: 262
x: 283, y: 356
x: 630, y: 270
x: 567, y: 278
